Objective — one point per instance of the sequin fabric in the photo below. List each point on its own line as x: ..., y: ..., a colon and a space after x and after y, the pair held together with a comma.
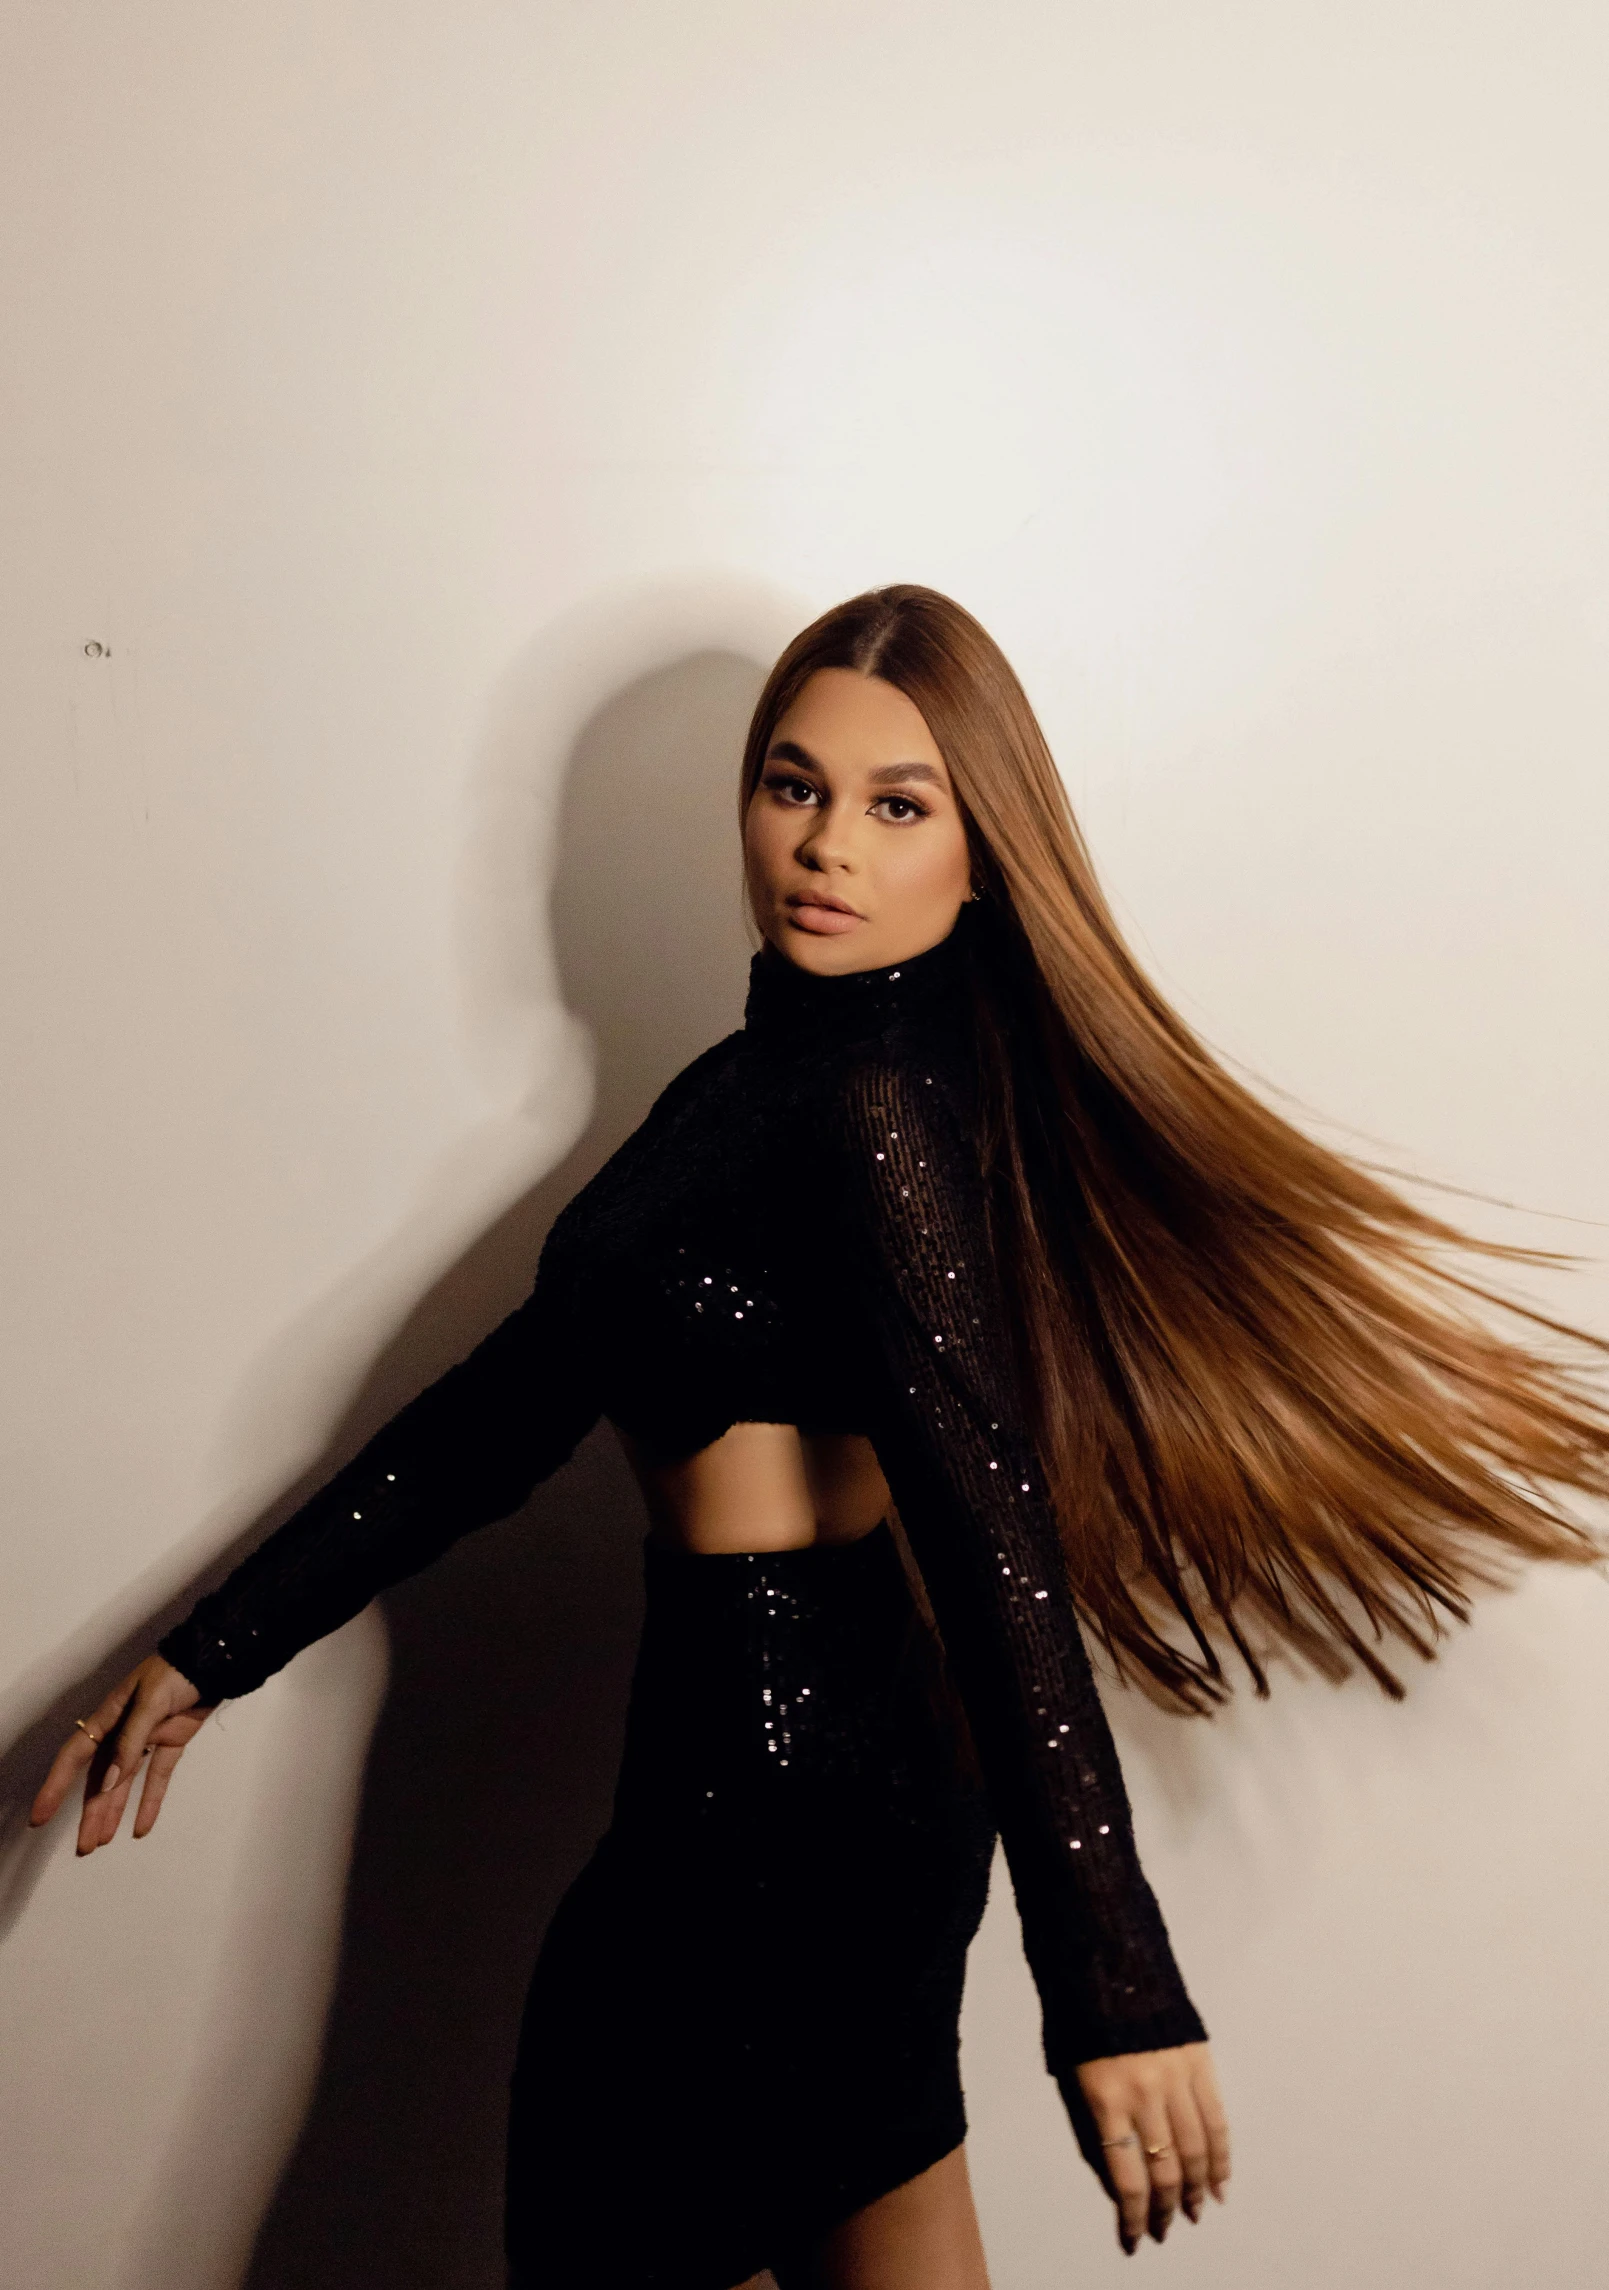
x: 796, y: 1234
x: 744, y: 2021
x: 775, y: 1678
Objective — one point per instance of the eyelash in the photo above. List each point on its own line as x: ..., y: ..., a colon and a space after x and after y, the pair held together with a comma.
x: 778, y: 782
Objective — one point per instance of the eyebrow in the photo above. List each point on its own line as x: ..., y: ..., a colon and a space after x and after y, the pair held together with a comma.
x: 886, y: 774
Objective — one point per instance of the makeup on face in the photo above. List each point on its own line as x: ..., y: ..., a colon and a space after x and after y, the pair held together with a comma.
x: 854, y: 841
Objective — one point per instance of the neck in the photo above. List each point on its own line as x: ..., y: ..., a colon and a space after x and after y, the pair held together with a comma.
x: 786, y: 1002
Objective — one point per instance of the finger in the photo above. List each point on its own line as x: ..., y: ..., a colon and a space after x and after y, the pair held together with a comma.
x: 126, y: 1744
x: 1128, y: 2178
x: 72, y: 1759
x: 1215, y: 2123
x: 104, y: 1803
x: 1190, y: 2143
x: 115, y: 1801
x: 102, y: 1808
x: 159, y: 1771
x: 1162, y: 2163
x: 92, y: 1818
x: 99, y: 1730
x: 107, y: 1717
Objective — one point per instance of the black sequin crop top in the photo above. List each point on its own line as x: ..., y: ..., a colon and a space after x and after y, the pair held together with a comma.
x: 795, y: 1234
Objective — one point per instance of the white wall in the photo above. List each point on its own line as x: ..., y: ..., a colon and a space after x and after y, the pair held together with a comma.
x: 442, y: 412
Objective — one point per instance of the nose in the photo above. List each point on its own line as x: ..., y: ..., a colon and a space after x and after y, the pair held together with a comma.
x: 826, y: 844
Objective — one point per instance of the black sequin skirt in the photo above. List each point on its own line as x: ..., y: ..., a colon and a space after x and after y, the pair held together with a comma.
x: 744, y: 2021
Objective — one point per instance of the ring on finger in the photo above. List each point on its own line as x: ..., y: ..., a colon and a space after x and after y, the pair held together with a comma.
x: 1166, y: 2148
x: 96, y: 1738
x: 1128, y: 2140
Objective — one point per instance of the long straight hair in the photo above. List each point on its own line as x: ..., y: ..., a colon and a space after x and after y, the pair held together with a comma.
x: 1274, y: 1404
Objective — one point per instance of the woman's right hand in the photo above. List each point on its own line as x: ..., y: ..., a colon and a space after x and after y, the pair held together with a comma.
x: 150, y: 1719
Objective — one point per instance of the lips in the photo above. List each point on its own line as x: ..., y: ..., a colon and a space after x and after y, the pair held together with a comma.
x: 826, y: 899
x: 821, y: 914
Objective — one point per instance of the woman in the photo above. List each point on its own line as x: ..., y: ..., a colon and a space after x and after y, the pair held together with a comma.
x: 964, y: 1229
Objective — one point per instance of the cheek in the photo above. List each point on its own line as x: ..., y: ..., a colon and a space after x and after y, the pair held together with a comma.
x: 760, y: 846
x: 932, y: 867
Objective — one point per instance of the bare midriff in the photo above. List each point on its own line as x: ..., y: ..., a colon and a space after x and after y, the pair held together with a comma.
x: 763, y: 1487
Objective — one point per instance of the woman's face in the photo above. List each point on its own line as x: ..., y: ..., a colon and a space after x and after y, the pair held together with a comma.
x: 854, y: 842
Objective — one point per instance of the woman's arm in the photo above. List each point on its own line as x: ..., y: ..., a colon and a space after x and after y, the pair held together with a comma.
x: 467, y: 1451
x: 976, y: 1508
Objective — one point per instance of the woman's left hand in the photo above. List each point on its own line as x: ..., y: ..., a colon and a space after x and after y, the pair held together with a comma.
x: 1163, y: 2135
x: 155, y: 1713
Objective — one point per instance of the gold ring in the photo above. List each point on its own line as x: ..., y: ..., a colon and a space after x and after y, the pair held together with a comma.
x: 96, y: 1738
x: 1165, y: 2149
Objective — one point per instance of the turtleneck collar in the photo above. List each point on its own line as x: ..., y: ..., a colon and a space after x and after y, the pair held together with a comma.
x: 789, y: 1005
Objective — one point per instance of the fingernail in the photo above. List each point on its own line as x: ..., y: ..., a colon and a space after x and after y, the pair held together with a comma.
x: 113, y: 1776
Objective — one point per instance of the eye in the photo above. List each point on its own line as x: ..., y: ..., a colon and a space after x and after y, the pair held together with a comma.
x: 790, y: 789
x: 899, y: 810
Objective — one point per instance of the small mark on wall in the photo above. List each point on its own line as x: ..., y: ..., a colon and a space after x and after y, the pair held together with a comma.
x: 97, y: 651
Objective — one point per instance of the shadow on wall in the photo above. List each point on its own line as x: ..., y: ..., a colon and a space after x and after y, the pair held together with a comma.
x: 493, y: 1764
x: 491, y: 1769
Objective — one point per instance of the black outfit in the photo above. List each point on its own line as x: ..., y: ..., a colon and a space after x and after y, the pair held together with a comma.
x: 743, y: 2020
x: 796, y: 1234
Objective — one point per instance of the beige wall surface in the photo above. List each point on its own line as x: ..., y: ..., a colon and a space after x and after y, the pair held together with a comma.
x: 438, y: 416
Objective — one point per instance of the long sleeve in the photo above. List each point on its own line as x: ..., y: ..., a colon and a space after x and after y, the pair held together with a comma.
x: 467, y: 1451
x: 976, y: 1508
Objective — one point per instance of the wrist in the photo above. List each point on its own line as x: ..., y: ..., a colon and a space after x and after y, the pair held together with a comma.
x: 1067, y: 2049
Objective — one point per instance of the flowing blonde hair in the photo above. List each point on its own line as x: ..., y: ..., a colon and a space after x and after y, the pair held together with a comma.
x: 1273, y: 1402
